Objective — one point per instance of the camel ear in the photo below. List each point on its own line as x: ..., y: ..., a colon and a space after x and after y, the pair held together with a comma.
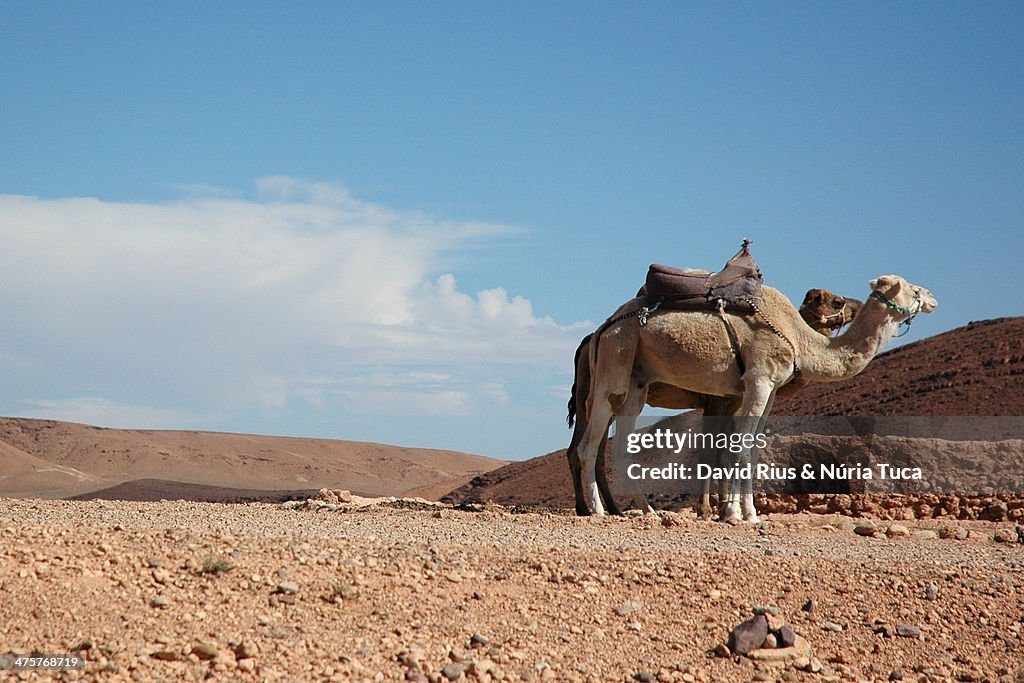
x: 887, y: 284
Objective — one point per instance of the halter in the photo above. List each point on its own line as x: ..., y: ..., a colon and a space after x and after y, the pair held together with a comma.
x: 825, y: 319
x: 911, y: 314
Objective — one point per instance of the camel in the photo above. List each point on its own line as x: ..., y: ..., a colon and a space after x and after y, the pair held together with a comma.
x: 688, y: 350
x: 824, y: 311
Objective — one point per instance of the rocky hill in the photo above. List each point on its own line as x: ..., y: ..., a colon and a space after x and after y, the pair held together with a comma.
x: 48, y: 459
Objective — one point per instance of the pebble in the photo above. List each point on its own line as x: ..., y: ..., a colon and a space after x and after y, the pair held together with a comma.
x: 205, y: 650
x: 766, y: 609
x: 897, y: 531
x: 865, y: 529
x: 288, y: 587
x: 159, y: 602
x: 831, y: 626
x: 809, y: 605
x: 908, y: 631
x: 628, y: 607
x: 932, y: 592
x: 452, y: 672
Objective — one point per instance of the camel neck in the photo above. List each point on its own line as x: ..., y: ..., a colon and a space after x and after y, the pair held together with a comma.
x: 837, y: 358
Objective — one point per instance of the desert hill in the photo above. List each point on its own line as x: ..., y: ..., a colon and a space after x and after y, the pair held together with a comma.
x: 977, y: 369
x: 49, y: 459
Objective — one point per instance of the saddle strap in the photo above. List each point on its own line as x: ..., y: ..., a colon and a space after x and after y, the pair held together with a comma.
x: 734, y: 343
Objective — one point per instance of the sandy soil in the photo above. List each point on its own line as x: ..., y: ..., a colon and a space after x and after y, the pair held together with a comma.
x: 160, y: 591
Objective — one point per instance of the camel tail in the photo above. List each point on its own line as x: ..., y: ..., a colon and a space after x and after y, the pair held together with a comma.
x: 571, y: 419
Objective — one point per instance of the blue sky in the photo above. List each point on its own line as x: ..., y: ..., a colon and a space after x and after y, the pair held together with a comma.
x: 394, y: 221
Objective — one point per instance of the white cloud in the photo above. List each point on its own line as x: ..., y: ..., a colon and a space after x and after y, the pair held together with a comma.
x: 212, y: 305
x: 95, y: 410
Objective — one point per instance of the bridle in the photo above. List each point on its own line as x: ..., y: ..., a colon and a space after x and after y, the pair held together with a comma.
x: 824, y: 319
x: 911, y: 313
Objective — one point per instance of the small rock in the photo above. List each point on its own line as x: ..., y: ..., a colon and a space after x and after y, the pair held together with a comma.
x: 628, y: 607
x: 766, y: 609
x: 154, y: 562
x: 477, y: 641
x: 786, y: 636
x: 897, y: 531
x: 205, y: 650
x: 722, y: 650
x: 770, y: 641
x: 931, y: 592
x: 643, y: 677
x: 287, y: 587
x: 775, y: 622
x: 166, y: 655
x: 246, y: 664
x: 816, y: 665
x: 908, y: 631
x: 895, y: 675
x: 865, y: 529
x: 926, y: 534
x: 809, y: 605
x: 452, y: 672
x: 246, y: 650
x: 1005, y: 536
x: 158, y: 602
x: 749, y: 635
x: 831, y: 626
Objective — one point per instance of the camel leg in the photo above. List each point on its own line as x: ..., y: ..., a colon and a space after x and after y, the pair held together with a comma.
x: 602, y: 480
x: 757, y: 397
x: 749, y: 511
x: 593, y: 435
x: 624, y: 425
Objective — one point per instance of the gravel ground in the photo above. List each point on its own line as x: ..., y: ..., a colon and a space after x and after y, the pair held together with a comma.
x: 403, y: 591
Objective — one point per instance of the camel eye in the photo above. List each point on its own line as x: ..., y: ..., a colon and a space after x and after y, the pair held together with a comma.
x: 838, y: 303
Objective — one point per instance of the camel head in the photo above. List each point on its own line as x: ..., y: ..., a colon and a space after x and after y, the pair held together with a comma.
x: 826, y: 311
x: 902, y: 297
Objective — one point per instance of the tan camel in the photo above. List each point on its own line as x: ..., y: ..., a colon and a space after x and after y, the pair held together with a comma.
x: 689, y: 350
x: 824, y: 311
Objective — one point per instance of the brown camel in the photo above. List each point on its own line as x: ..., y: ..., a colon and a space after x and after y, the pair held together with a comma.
x: 824, y: 311
x: 688, y: 350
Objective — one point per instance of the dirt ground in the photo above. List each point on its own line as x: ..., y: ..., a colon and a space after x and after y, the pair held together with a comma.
x: 319, y: 591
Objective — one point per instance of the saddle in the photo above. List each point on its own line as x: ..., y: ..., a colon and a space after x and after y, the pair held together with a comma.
x: 737, y: 287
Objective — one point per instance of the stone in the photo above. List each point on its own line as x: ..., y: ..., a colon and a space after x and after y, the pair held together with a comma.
x: 452, y: 672
x: 1005, y: 536
x: 786, y: 636
x: 158, y: 602
x: 799, y: 649
x: 246, y: 664
x: 766, y: 610
x: 205, y: 650
x: 908, y: 631
x: 749, y: 635
x: 775, y: 622
x: 477, y: 641
x: 832, y: 626
x: 246, y: 650
x: 897, y: 531
x: 628, y: 607
x: 166, y: 655
x: 287, y: 587
x: 722, y: 650
x: 809, y: 605
x: 931, y: 592
x: 865, y: 529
